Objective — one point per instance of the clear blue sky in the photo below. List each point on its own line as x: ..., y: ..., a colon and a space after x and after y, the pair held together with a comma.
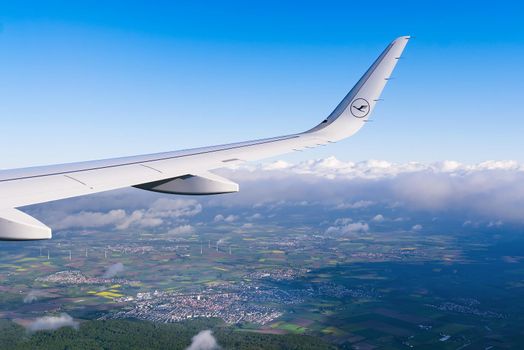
x: 86, y: 80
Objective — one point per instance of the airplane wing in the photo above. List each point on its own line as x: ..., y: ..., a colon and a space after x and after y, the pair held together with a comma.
x: 181, y: 172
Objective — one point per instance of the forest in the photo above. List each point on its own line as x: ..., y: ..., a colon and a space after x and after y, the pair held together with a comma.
x: 140, y: 335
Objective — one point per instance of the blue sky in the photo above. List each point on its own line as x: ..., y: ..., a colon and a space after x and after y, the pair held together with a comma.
x: 94, y: 80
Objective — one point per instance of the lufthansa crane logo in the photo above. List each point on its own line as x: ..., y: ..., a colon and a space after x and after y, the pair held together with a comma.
x: 359, y: 108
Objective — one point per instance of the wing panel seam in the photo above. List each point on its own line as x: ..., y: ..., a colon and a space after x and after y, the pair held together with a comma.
x: 148, y: 161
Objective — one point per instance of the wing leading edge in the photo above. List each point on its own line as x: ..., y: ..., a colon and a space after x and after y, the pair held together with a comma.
x: 185, y: 171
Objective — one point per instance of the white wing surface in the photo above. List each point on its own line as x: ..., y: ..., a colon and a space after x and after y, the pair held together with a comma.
x: 181, y: 172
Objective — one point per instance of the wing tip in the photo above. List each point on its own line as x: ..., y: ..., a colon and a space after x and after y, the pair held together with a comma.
x: 368, y: 88
x: 401, y: 40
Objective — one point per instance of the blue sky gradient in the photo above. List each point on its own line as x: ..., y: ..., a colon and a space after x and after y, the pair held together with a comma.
x: 93, y: 80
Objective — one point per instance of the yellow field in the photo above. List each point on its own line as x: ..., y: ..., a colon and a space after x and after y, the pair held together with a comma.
x: 109, y: 295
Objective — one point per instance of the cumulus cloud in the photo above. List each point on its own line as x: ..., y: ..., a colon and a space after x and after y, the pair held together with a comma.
x: 279, y: 164
x: 343, y: 221
x: 355, y: 205
x: 139, y: 218
x: 51, y: 323
x: 154, y: 215
x: 417, y: 227
x: 346, y: 227
x: 204, y: 340
x: 181, y: 230
x: 229, y: 218
x: 91, y: 219
x: 378, y: 218
x: 165, y: 207
x: 355, y: 227
x: 497, y: 223
x: 256, y: 216
x: 400, y: 219
x: 114, y: 270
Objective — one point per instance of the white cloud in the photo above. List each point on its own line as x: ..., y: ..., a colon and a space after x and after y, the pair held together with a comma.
x: 182, y: 230
x: 139, y: 218
x: 355, y: 205
x: 204, y: 340
x: 332, y: 230
x: 345, y: 226
x: 256, y: 216
x: 500, y: 165
x: 279, y: 164
x: 165, y: 207
x: 230, y: 218
x: 378, y: 218
x: 416, y: 227
x: 154, y: 215
x: 497, y: 223
x: 343, y: 221
x: 114, y: 270
x: 51, y: 323
x: 357, y: 227
x: 91, y: 219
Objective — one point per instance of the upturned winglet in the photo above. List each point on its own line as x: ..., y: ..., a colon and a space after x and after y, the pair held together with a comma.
x: 355, y: 109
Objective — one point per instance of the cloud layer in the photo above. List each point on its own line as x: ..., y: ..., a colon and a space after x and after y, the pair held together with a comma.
x: 491, y: 191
